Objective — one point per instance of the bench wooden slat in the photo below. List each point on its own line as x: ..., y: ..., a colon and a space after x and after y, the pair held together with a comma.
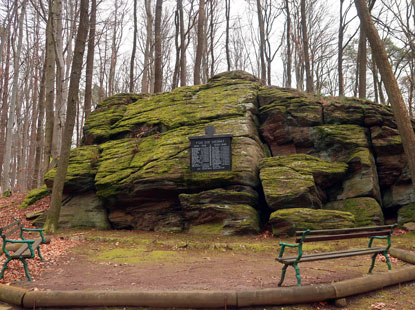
x: 344, y: 230
x: 10, y: 225
x: 331, y: 255
x: 344, y: 236
x: 24, y: 250
x: 12, y: 231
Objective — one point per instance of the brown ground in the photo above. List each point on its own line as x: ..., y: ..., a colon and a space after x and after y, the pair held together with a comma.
x: 111, y: 260
x: 166, y: 266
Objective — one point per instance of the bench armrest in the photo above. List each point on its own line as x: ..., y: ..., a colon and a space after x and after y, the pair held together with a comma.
x: 40, y: 230
x: 20, y: 241
x: 283, y: 245
x: 388, y: 238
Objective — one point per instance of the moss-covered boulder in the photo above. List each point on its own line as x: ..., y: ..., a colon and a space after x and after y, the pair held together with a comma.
x: 137, y: 155
x: 366, y: 210
x: 35, y: 195
x: 234, y: 195
x: 286, y: 118
x: 349, y: 144
x: 80, y: 211
x: 83, y: 166
x: 227, y: 211
x: 406, y: 214
x: 287, y: 221
x: 226, y: 219
x: 296, y: 181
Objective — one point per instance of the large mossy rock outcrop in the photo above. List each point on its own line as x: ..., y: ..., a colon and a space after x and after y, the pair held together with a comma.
x: 291, y: 151
x: 141, y: 161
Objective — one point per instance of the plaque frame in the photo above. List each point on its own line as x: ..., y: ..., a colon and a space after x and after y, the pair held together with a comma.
x: 207, y: 142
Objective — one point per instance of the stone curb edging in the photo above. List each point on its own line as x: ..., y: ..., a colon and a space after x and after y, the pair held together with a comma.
x: 211, y: 299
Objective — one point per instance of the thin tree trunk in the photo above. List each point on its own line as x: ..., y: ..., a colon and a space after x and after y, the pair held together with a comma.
x: 6, y: 184
x: 132, y: 63
x: 227, y: 14
x: 288, y: 35
x: 261, y: 42
x: 200, y: 42
x: 183, y: 64
x: 340, y: 52
x: 309, y: 78
x: 5, y: 106
x: 49, y: 89
x: 90, y: 59
x: 362, y: 63
x: 158, y: 70
x: 147, y: 53
x: 176, y: 72
x: 39, y: 134
x: 392, y: 88
x: 52, y: 219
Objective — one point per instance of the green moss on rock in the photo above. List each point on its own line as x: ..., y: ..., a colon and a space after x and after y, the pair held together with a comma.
x: 82, y: 168
x: 290, y: 181
x: 287, y: 221
x: 366, y: 210
x: 225, y: 219
x: 35, y: 195
x: 406, y: 214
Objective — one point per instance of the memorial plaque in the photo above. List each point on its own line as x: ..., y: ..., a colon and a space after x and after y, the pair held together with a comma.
x: 211, y: 152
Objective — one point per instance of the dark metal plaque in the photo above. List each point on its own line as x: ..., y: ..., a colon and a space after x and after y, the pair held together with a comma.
x: 211, y: 152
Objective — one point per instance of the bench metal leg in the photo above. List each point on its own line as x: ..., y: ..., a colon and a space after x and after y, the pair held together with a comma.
x: 284, y: 269
x: 4, y: 267
x: 26, y: 271
x: 297, y: 274
x: 387, y: 260
x: 373, y: 262
x: 40, y: 255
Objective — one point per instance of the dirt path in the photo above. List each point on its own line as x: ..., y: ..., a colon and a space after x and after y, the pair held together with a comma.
x: 108, y: 266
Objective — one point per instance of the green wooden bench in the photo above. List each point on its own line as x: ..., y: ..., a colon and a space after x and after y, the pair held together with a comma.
x: 27, y: 248
x: 374, y: 232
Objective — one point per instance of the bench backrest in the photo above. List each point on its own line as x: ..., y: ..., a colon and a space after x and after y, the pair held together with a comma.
x: 10, y: 229
x: 343, y: 233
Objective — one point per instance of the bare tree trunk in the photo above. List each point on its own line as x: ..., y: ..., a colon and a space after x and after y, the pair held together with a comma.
x: 362, y: 64
x: 6, y: 185
x: 309, y: 78
x: 183, y: 64
x: 158, y: 70
x: 5, y: 106
x: 52, y: 219
x: 395, y: 97
x: 288, y: 35
x: 261, y: 42
x: 59, y: 80
x: 200, y: 42
x: 148, y: 49
x: 340, y: 52
x: 39, y: 134
x: 132, y: 63
x: 50, y: 91
x: 90, y: 59
x: 227, y: 14
x: 176, y: 72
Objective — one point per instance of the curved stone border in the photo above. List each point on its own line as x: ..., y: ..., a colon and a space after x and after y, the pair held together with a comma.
x: 211, y: 299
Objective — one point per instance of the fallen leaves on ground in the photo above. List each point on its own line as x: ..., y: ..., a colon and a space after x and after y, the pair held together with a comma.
x: 52, y: 252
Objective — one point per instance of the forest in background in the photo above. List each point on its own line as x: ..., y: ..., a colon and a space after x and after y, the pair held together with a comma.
x: 151, y: 46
